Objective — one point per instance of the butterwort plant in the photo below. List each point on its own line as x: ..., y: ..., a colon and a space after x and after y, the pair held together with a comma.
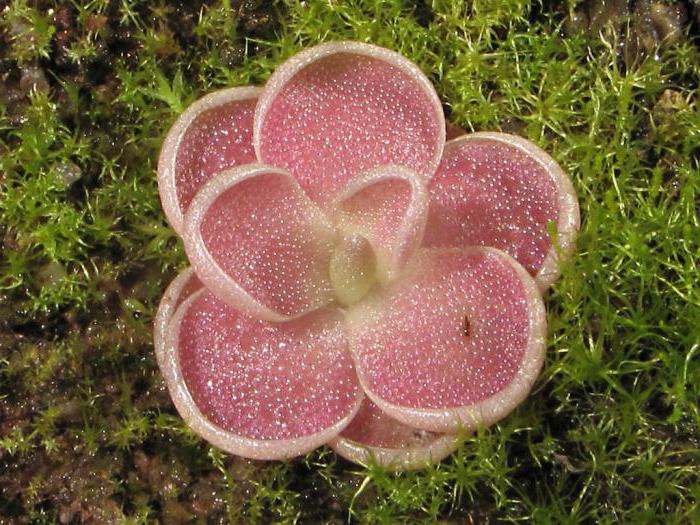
x: 356, y: 279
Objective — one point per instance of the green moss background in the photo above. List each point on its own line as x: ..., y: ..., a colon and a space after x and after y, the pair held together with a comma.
x: 87, y: 431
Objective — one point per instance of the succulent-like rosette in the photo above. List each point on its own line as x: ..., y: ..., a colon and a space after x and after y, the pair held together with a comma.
x: 355, y: 280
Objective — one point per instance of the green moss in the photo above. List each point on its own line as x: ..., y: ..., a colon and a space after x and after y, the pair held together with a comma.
x: 29, y: 31
x: 610, y: 432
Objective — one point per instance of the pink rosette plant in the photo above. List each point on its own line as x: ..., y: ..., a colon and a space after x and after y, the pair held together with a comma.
x: 355, y: 279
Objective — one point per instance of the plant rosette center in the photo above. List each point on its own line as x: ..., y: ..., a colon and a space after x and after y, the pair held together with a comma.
x: 353, y: 269
x: 356, y: 280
